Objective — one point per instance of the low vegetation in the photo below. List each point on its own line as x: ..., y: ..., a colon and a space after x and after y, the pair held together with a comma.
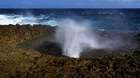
x: 18, y: 62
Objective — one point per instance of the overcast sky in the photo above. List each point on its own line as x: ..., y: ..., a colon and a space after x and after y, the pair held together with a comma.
x: 69, y: 3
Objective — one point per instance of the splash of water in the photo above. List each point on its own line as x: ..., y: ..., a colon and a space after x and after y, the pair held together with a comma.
x: 75, y: 36
x: 78, y: 36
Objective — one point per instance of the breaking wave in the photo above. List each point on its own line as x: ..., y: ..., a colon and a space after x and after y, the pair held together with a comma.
x: 27, y: 19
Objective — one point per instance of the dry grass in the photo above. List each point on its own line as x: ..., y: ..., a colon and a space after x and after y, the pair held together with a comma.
x: 28, y: 63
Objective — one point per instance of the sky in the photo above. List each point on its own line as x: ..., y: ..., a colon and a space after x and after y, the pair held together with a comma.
x: 69, y: 3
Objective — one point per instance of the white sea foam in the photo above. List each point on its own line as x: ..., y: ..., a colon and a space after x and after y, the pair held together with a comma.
x: 26, y: 19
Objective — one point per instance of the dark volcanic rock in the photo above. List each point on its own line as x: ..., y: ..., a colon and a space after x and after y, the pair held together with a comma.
x: 50, y: 48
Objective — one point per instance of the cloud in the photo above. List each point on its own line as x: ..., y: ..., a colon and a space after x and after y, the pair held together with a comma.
x: 69, y: 3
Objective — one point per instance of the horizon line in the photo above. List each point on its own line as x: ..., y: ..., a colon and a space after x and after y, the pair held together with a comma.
x: 69, y: 8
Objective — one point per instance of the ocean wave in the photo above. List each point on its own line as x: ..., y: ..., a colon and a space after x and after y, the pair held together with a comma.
x: 27, y: 19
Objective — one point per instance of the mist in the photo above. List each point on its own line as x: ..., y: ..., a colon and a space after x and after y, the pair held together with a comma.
x: 74, y: 37
x: 78, y: 36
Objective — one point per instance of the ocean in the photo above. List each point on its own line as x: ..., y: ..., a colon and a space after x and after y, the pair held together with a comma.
x: 105, y: 19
